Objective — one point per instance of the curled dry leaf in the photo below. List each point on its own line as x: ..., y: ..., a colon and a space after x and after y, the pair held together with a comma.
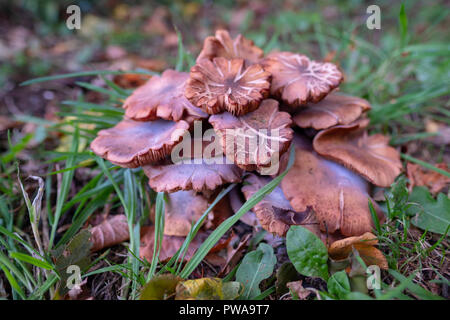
x: 227, y: 85
x: 204, y: 171
x: 132, y: 143
x: 364, y: 244
x: 170, y: 245
x: 110, y: 232
x: 274, y: 212
x: 297, y: 80
x: 419, y: 176
x: 334, y: 109
x: 223, y: 46
x: 182, y: 209
x: 338, y: 197
x: 257, y: 139
x: 369, y: 156
x: 162, y: 97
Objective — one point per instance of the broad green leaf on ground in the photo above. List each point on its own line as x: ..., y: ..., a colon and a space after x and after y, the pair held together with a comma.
x: 286, y: 273
x: 160, y: 287
x: 307, y: 252
x: 429, y: 214
x: 339, y: 285
x: 256, y: 266
x: 208, y: 289
x: 75, y: 253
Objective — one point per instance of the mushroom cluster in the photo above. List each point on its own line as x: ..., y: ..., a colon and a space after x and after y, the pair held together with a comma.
x: 245, y: 111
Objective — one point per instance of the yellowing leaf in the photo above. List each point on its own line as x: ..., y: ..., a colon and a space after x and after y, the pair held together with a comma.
x: 207, y: 289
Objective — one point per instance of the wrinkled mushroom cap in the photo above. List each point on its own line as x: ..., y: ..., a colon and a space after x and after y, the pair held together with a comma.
x: 274, y: 211
x: 202, y: 173
x: 223, y: 46
x: 227, y: 85
x: 133, y: 143
x: 369, y: 156
x: 334, y: 109
x: 297, y: 80
x: 257, y: 139
x: 162, y: 97
x: 338, y: 196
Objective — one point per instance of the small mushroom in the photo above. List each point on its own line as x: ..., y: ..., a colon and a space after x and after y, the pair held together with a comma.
x: 297, y: 80
x: 227, y: 85
x: 162, y: 97
x: 203, y: 172
x: 369, y: 156
x: 223, y: 46
x: 274, y: 212
x: 133, y: 143
x: 338, y: 196
x: 256, y: 140
x: 334, y: 109
x: 182, y: 209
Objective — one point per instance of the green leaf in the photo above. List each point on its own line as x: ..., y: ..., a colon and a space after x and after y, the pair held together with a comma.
x: 339, y: 285
x: 308, y: 254
x: 208, y: 289
x: 403, y: 21
x: 286, y: 273
x: 160, y: 287
x: 429, y: 214
x: 29, y: 259
x: 255, y: 267
x: 76, y: 252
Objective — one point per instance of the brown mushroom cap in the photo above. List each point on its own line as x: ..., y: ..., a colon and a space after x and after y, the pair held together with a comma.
x: 183, y: 209
x: 369, y: 156
x: 162, y: 97
x: 334, y: 109
x: 338, y: 196
x: 227, y: 85
x: 223, y: 46
x: 274, y: 211
x: 255, y: 140
x: 203, y: 173
x: 133, y: 143
x: 297, y: 80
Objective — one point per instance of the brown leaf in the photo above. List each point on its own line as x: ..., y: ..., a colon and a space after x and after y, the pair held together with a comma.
x: 419, y: 176
x: 297, y: 288
x: 182, y: 209
x: 297, y: 80
x: 256, y: 140
x: 110, y: 232
x: 227, y: 85
x: 369, y: 156
x: 162, y: 97
x: 364, y: 244
x: 334, y: 109
x: 132, y: 143
x: 223, y: 46
x: 338, y: 197
x: 170, y: 245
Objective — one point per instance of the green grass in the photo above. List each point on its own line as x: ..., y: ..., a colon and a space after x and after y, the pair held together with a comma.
x: 402, y: 72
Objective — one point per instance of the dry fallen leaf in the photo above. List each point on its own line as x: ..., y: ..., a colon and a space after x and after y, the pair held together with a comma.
x: 364, y: 244
x: 419, y: 176
x: 110, y: 232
